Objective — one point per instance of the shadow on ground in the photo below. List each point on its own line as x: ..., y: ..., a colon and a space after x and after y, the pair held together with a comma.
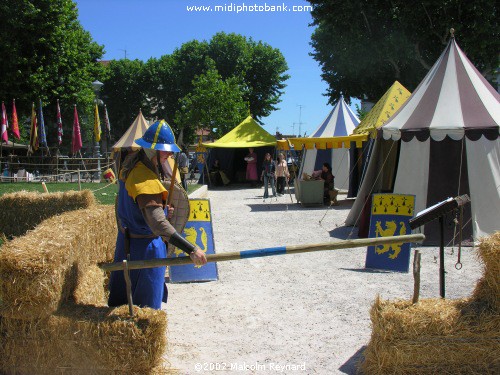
x: 344, y: 204
x: 344, y: 233
x: 350, y: 367
x: 366, y: 270
x: 272, y: 205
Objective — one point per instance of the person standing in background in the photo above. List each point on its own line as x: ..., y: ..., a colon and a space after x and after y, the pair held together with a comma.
x: 183, y: 164
x: 282, y: 174
x: 251, y: 160
x: 268, y: 175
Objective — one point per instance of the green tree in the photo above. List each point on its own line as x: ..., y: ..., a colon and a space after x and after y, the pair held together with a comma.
x: 46, y: 54
x: 258, y: 68
x: 214, y: 103
x: 364, y: 46
x: 230, y: 64
x: 261, y: 68
x: 170, y: 78
x: 265, y: 79
x: 124, y: 93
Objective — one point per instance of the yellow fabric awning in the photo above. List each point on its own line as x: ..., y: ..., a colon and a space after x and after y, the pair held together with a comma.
x: 321, y: 143
x: 387, y: 105
x: 246, y: 134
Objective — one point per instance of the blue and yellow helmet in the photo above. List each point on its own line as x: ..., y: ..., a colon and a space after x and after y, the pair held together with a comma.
x: 159, y: 136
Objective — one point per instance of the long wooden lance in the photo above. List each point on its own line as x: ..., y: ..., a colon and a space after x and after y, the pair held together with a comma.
x: 172, y: 180
x: 258, y: 253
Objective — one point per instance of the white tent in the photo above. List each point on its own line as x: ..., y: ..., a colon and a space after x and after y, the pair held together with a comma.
x: 340, y: 122
x: 441, y: 143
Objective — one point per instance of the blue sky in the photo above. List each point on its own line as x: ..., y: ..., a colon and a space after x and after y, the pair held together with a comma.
x: 152, y: 28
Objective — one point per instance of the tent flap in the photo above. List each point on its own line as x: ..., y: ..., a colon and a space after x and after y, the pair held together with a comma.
x: 310, y: 143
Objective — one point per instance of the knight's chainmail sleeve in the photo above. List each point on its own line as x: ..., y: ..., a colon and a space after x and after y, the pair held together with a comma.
x: 155, y: 218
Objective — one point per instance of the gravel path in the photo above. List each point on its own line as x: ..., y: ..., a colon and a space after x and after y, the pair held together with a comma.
x: 304, y: 313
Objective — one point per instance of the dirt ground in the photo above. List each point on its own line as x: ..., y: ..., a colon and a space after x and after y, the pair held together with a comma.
x: 305, y: 313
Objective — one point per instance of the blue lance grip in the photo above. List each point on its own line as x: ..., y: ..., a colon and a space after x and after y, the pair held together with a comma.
x: 263, y: 252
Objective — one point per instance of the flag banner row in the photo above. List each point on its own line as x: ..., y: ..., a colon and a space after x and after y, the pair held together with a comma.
x: 38, y: 135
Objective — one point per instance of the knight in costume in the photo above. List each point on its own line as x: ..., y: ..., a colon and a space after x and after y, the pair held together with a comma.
x: 141, y: 220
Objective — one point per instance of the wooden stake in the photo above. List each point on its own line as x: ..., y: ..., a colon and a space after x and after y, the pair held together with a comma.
x: 128, y: 285
x: 337, y: 245
x: 172, y: 180
x: 416, y: 276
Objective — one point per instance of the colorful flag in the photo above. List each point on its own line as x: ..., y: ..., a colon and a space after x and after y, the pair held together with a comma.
x: 76, y: 144
x: 59, y: 125
x: 106, y: 122
x: 97, y: 124
x: 15, y: 122
x: 34, y: 131
x: 4, y: 136
x: 41, y: 126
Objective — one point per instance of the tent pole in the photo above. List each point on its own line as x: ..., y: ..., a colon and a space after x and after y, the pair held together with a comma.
x: 205, y: 166
x: 442, y: 272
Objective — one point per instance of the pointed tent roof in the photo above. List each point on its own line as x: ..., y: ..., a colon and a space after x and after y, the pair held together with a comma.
x: 135, y: 131
x: 247, y: 134
x: 452, y: 100
x: 386, y: 106
x: 341, y: 121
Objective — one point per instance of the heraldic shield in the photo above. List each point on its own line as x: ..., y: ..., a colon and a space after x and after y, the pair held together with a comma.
x: 198, y: 230
x: 390, y: 216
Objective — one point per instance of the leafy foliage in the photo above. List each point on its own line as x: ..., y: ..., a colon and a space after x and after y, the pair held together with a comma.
x: 236, y: 67
x: 123, y: 93
x: 364, y: 46
x: 214, y: 102
x: 46, y: 54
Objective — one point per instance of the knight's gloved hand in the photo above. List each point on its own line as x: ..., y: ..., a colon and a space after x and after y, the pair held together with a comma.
x: 198, y: 257
x: 170, y: 210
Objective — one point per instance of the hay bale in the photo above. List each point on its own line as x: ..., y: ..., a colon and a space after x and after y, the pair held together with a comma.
x: 91, y: 286
x: 23, y: 211
x: 438, y: 335
x: 433, y: 336
x: 42, y: 266
x: 488, y: 288
x: 85, y: 340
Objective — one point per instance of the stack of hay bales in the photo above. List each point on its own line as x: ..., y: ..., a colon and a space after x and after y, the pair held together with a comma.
x: 53, y: 312
x: 24, y: 210
x: 439, y: 336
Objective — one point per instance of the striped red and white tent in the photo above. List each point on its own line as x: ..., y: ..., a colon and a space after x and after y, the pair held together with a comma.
x: 340, y: 122
x: 443, y: 142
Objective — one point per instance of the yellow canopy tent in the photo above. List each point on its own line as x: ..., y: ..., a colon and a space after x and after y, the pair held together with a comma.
x: 386, y: 106
x: 231, y: 149
x: 247, y: 134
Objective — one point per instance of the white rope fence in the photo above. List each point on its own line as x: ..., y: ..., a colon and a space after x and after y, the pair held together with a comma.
x: 65, y: 175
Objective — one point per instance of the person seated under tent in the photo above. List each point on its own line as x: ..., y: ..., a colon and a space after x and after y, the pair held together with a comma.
x: 217, y: 176
x: 325, y: 174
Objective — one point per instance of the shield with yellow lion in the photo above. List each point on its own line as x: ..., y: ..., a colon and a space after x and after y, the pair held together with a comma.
x: 390, y: 215
x: 198, y: 230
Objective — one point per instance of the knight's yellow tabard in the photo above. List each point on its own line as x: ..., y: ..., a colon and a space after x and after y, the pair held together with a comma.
x: 142, y: 180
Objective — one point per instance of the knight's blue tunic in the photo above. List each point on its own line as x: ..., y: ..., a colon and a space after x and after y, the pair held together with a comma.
x: 148, y: 285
